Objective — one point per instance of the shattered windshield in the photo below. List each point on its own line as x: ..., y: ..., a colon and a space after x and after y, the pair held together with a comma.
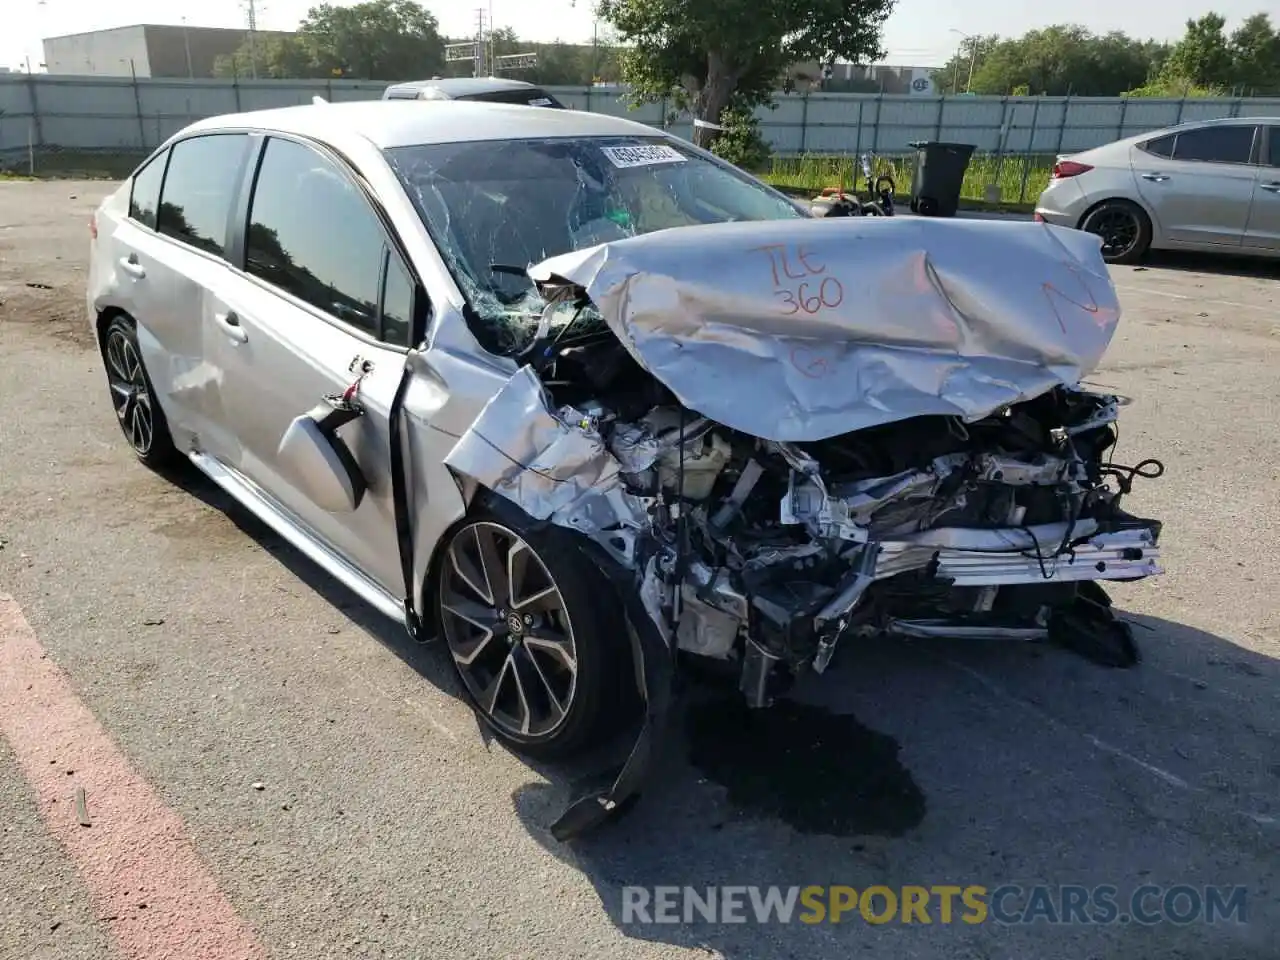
x: 495, y: 208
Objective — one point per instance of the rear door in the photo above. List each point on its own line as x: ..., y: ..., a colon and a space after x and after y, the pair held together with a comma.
x: 1263, y: 232
x: 322, y: 295
x: 1200, y: 182
x: 170, y: 253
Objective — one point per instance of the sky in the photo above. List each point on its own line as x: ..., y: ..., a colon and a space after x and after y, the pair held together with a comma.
x: 919, y: 33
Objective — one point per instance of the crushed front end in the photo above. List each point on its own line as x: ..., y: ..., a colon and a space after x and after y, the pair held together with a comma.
x: 771, y: 554
x: 1000, y: 528
x: 917, y: 461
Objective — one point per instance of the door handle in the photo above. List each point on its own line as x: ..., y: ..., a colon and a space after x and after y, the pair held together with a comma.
x: 230, y: 324
x: 1155, y: 177
x: 1271, y: 187
x: 131, y: 266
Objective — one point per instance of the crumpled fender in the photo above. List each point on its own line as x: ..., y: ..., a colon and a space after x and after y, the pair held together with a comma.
x: 654, y: 663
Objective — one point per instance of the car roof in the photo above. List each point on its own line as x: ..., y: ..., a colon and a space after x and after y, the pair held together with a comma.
x: 465, y: 86
x: 1225, y: 121
x: 1104, y: 149
x: 1186, y: 125
x: 397, y: 123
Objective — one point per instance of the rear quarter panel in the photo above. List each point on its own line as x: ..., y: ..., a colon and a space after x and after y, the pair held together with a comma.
x: 102, y: 288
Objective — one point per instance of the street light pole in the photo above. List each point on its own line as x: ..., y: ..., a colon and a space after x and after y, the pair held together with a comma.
x: 186, y: 42
x: 972, y: 41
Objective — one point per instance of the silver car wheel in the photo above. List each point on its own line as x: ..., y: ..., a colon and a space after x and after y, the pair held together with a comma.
x: 508, y: 629
x: 130, y: 395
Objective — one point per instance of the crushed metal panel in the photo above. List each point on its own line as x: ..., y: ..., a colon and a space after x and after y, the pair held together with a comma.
x: 798, y: 330
x: 521, y: 450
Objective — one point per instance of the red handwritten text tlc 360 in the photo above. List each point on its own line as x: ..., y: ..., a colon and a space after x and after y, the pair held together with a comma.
x: 796, y: 283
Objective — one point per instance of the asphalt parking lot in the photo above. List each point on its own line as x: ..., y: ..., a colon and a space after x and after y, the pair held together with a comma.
x: 345, y: 804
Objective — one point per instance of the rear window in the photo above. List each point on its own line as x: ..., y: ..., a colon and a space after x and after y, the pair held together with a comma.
x: 1160, y: 146
x: 525, y: 97
x: 144, y: 197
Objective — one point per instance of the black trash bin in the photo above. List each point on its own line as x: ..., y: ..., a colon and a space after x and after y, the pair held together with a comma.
x: 939, y: 176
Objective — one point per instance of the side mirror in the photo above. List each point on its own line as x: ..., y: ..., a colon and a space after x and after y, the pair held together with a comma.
x: 317, y: 461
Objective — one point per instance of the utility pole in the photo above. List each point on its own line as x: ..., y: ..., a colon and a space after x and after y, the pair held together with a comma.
x: 972, y: 41
x: 251, y: 9
x: 480, y: 51
x: 186, y: 42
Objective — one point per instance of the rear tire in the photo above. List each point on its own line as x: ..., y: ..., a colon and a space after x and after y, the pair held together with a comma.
x: 133, y: 397
x: 1124, y: 227
x: 536, y: 633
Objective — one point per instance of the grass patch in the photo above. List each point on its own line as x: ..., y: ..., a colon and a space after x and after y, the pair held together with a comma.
x: 809, y: 174
x: 51, y: 164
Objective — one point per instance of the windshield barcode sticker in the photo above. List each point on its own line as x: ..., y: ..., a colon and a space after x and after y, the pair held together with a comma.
x: 643, y: 156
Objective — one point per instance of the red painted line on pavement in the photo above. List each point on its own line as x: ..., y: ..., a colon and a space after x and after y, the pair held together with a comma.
x: 146, y: 880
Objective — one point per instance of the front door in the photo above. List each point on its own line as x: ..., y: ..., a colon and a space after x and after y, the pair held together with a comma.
x: 1264, y: 218
x: 322, y: 302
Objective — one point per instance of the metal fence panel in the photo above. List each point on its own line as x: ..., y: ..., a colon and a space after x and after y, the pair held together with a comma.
x: 42, y: 110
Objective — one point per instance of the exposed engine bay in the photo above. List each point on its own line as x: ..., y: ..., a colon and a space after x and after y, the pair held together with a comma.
x: 769, y: 554
x: 782, y: 437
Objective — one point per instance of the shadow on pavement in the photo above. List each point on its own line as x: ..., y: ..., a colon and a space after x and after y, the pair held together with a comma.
x: 1227, y: 265
x: 423, y: 658
x: 954, y: 763
x: 933, y: 763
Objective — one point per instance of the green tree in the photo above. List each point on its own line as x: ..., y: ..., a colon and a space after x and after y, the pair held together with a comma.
x: 1057, y: 61
x: 1255, y: 55
x: 270, y: 57
x: 1208, y: 62
x: 713, y: 55
x: 561, y: 64
x: 374, y: 40
x: 1202, y: 58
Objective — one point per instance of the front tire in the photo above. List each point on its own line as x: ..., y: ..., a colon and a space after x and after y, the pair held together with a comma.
x: 536, y: 634
x: 133, y: 397
x: 1124, y: 228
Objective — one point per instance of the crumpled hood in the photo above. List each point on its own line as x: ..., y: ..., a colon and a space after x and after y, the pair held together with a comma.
x: 798, y: 330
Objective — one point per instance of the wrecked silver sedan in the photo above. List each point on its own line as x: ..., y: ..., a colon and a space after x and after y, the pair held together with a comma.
x: 580, y: 400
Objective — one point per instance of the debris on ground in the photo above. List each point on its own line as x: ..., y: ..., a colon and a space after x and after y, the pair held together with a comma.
x: 82, y: 808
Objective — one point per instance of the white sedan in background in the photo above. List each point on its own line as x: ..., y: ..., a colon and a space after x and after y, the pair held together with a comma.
x: 1211, y: 186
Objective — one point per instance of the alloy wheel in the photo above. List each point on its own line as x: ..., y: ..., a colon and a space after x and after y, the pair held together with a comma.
x: 508, y: 629
x: 1118, y: 229
x: 130, y: 394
